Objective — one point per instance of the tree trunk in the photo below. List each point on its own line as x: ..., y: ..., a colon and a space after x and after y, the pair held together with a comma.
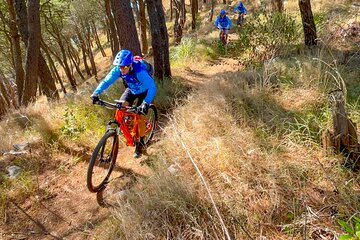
x: 97, y: 40
x: 143, y: 27
x: 47, y: 82
x: 179, y: 20
x: 15, y: 41
x: 9, y: 89
x: 193, y: 14
x: 125, y: 24
x: 43, y: 69
x: 89, y: 51
x: 53, y: 69
x: 224, y: 2
x: 136, y: 14
x: 4, y: 91
x: 57, y: 35
x: 83, y: 50
x: 165, y: 38
x: 72, y: 57
x: 3, y: 107
x: 171, y: 10
x: 278, y: 5
x: 113, y: 34
x: 155, y: 39
x: 32, y: 52
x: 308, y: 23
x: 160, y: 41
x: 212, y: 10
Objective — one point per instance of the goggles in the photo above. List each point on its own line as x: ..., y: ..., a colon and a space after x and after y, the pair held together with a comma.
x: 124, y: 67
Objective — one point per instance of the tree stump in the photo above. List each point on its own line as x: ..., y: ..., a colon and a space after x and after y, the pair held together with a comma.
x: 344, y: 138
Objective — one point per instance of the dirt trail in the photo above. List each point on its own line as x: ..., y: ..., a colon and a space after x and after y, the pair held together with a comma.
x: 63, y: 208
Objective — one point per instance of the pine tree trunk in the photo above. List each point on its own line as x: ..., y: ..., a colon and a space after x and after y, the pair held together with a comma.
x: 179, y: 20
x: 4, y: 91
x: 97, y: 40
x: 3, y: 107
x: 193, y: 14
x: 9, y: 90
x: 89, y: 51
x: 15, y: 41
x: 53, y: 69
x: 43, y: 69
x: 308, y: 23
x: 57, y: 35
x: 165, y: 38
x: 212, y: 10
x: 143, y: 27
x: 155, y: 39
x: 47, y: 82
x: 159, y: 39
x: 113, y: 32
x: 83, y: 50
x: 171, y: 10
x: 277, y: 5
x: 125, y: 24
x: 32, y: 52
x: 72, y: 57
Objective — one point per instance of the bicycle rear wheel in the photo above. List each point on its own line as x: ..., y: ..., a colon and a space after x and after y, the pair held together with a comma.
x: 102, y: 161
x: 151, y: 122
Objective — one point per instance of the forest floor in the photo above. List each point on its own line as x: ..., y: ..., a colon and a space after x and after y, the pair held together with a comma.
x: 62, y: 207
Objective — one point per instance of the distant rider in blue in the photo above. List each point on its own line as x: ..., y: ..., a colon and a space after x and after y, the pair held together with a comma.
x: 224, y: 22
x: 242, y: 10
x: 139, y: 85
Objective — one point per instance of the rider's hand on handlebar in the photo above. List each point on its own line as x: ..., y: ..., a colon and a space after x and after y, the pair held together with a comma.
x: 143, y: 108
x: 95, y: 98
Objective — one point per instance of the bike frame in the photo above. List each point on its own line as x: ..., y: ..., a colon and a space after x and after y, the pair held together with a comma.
x: 129, y: 134
x: 223, y: 35
x: 121, y: 112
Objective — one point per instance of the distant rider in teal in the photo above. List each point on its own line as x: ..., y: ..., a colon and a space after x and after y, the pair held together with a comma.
x: 223, y: 22
x: 139, y: 85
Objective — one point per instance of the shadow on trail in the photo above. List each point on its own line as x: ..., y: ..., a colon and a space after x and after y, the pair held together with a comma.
x: 84, y: 227
x: 122, y: 179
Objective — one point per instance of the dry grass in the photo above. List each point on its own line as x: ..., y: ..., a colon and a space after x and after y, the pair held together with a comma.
x: 265, y: 185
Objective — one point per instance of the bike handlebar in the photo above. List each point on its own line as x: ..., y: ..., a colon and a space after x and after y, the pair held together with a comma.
x: 116, y: 105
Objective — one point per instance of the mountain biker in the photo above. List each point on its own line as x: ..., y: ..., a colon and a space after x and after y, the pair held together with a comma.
x: 242, y: 10
x: 224, y: 22
x: 139, y: 85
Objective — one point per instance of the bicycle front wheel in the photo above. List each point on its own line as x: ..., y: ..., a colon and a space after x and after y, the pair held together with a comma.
x: 151, y: 122
x: 102, y: 161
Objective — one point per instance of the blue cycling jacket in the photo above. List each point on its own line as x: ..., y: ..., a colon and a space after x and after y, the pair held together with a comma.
x: 138, y: 81
x: 240, y: 7
x: 224, y: 22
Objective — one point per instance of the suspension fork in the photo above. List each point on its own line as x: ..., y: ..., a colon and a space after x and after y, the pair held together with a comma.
x: 108, y: 126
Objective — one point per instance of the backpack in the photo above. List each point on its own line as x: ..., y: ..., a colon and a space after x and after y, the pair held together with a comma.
x: 148, y: 67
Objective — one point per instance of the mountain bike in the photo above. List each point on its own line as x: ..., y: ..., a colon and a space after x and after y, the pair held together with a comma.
x: 125, y: 123
x: 240, y: 19
x: 223, y: 36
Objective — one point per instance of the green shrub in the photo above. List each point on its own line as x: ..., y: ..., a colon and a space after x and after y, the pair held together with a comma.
x: 72, y: 126
x: 184, y: 50
x: 264, y: 34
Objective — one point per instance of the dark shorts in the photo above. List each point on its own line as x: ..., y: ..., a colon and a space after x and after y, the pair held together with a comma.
x: 130, y: 98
